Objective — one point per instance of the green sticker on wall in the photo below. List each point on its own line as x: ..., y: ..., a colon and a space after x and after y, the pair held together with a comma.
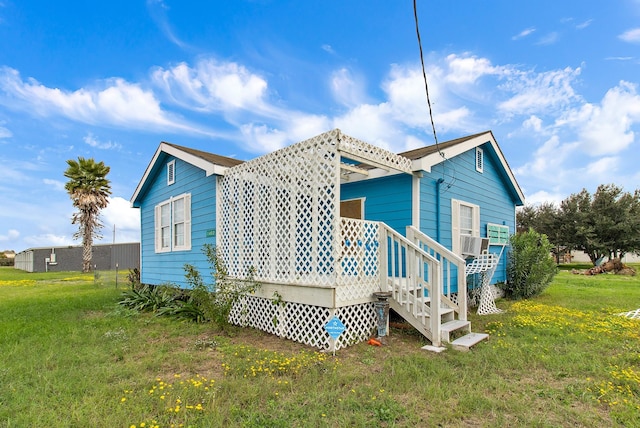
x: 211, y: 233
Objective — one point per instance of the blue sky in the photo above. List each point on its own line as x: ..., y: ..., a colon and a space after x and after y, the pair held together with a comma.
x: 556, y: 82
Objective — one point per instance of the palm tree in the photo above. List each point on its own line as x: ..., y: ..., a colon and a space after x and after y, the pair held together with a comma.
x: 89, y: 190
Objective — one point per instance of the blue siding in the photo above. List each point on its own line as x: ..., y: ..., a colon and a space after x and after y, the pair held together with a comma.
x: 488, y: 190
x: 388, y: 199
x: 162, y: 268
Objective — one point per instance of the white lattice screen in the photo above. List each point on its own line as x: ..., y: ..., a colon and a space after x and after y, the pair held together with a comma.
x: 359, y: 273
x: 356, y: 149
x: 279, y: 213
x: 305, y: 323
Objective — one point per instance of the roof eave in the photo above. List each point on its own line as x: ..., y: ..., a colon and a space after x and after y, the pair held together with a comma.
x: 425, y: 163
x: 209, y: 168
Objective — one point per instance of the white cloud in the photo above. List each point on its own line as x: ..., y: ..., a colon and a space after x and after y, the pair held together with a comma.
x: 328, y: 48
x: 346, y: 89
x: 602, y: 169
x: 542, y: 196
x: 157, y: 10
x: 262, y: 138
x: 539, y: 92
x: 548, y: 39
x: 619, y: 58
x: 468, y: 68
x: 584, y: 24
x: 93, y: 142
x: 56, y: 184
x: 371, y: 123
x: 607, y: 128
x: 524, y: 33
x: 48, y: 240
x: 11, y: 235
x: 548, y: 160
x: 631, y: 36
x: 212, y: 86
x: 406, y: 103
x: 534, y: 123
x: 116, y: 103
x: 120, y: 214
x: 5, y: 133
x: 404, y: 89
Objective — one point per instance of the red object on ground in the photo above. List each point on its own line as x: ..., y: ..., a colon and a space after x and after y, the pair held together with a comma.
x: 374, y: 342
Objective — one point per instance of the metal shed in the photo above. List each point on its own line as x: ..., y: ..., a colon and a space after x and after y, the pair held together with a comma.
x: 69, y: 258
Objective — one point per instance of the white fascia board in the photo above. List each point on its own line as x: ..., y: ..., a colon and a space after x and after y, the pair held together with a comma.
x: 451, y: 152
x: 427, y: 162
x: 208, y: 167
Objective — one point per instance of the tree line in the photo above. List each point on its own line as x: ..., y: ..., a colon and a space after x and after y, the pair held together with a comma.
x: 605, y: 224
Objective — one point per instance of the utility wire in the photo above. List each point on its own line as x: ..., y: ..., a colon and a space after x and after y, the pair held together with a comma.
x: 424, y: 76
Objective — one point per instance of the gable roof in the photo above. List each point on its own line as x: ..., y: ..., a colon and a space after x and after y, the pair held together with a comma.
x: 209, y: 162
x: 206, y: 156
x: 421, y: 152
x: 425, y: 158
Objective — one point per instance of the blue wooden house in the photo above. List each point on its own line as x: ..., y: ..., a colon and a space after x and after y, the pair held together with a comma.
x: 326, y: 223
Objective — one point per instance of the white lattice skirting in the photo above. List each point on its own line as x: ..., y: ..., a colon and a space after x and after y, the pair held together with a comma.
x: 632, y: 314
x: 305, y: 323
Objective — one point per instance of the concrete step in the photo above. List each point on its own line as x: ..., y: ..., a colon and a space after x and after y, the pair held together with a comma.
x: 450, y: 326
x: 465, y: 342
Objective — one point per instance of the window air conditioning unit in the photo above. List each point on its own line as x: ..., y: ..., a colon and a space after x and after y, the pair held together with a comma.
x: 473, y: 246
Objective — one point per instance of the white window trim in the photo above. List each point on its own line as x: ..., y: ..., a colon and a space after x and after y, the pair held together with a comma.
x: 187, y: 225
x: 171, y: 172
x: 479, y: 160
x: 455, y: 222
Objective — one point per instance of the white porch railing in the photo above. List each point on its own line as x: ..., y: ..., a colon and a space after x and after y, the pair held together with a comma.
x: 453, y: 271
x: 414, y: 278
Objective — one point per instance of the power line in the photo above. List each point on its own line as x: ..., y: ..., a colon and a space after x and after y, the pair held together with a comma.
x: 424, y: 76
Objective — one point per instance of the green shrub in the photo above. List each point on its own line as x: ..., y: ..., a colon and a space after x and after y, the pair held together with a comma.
x: 149, y: 298
x: 200, y: 303
x: 217, y: 301
x: 530, y: 268
x: 133, y: 278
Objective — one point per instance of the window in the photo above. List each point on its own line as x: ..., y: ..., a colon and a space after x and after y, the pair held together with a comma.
x: 171, y: 172
x: 465, y: 220
x: 173, y: 224
x: 479, y: 159
x: 352, y: 208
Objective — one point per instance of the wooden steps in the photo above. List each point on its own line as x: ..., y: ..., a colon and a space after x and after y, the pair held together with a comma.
x: 453, y: 326
x: 465, y: 342
x: 462, y: 343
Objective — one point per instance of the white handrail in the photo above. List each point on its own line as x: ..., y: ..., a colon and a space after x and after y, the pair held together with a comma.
x: 414, y: 278
x: 448, y: 259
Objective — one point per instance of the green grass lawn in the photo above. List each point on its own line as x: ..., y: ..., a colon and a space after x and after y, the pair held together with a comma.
x: 71, y: 357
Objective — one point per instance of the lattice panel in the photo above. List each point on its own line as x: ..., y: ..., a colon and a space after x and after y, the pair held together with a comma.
x: 257, y: 313
x: 305, y: 323
x: 360, y: 322
x: 631, y: 314
x: 484, y: 266
x: 358, y: 268
x: 279, y: 213
x: 350, y: 145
